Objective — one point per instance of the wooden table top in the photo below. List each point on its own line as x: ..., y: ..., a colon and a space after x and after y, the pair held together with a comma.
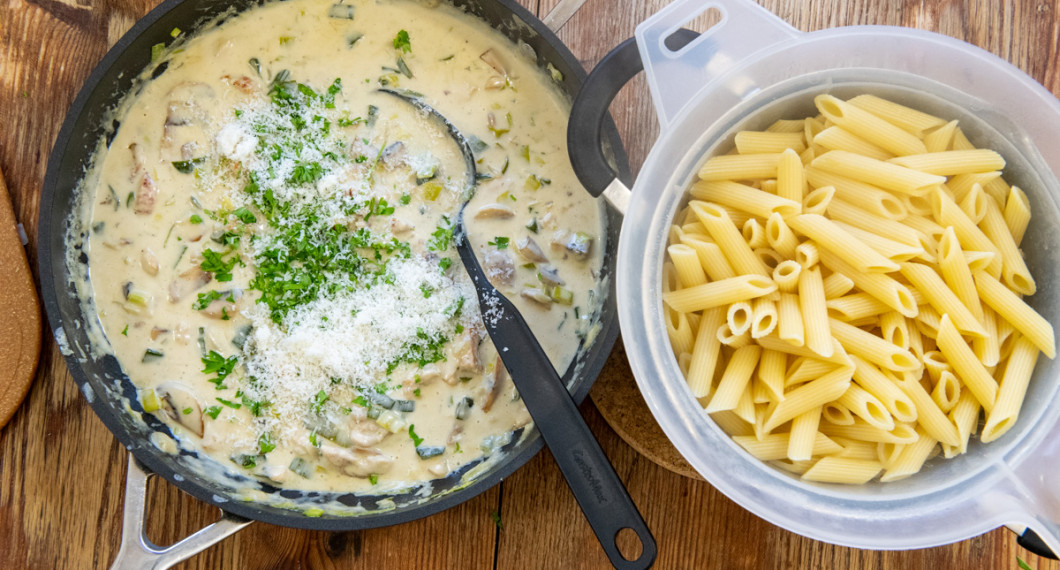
x: 62, y: 473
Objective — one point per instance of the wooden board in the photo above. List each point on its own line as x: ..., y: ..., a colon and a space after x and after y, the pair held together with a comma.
x: 62, y: 473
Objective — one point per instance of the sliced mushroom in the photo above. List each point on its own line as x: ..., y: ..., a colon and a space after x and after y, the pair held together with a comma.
x: 221, y: 309
x: 466, y: 353
x: 498, y: 266
x: 537, y: 295
x: 187, y: 283
x: 157, y: 332
x: 180, y: 404
x: 492, y: 385
x: 366, y: 433
x: 356, y: 462
x: 394, y: 155
x: 493, y: 60
x: 456, y: 434
x: 530, y: 251
x: 399, y: 226
x: 148, y: 261
x: 494, y: 211
x: 578, y: 244
x: 144, y: 202
x: 185, y: 103
x: 550, y: 275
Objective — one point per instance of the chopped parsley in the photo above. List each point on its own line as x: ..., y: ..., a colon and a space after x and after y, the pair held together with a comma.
x: 442, y: 236
x: 500, y: 242
x: 265, y: 443
x: 195, y: 219
x: 214, y: 262
x: 214, y: 363
x: 416, y: 440
x: 213, y: 411
x: 229, y: 403
x: 401, y: 42
x: 125, y: 331
x: 205, y: 299
x: 319, y: 400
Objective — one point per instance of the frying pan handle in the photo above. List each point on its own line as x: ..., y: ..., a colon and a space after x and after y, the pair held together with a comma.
x: 600, y: 493
x: 137, y: 552
x: 585, y: 129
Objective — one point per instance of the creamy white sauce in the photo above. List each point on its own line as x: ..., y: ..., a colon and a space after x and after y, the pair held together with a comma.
x: 318, y: 371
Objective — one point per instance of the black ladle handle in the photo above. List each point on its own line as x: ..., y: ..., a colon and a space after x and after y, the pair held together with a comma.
x: 585, y: 129
x: 600, y: 493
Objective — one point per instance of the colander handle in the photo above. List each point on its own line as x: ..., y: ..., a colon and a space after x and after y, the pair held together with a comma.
x: 589, y: 113
x: 677, y: 74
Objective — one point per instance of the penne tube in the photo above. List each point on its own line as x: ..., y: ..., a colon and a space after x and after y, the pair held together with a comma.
x: 946, y: 391
x: 856, y: 306
x: 837, y: 138
x: 803, y: 437
x: 911, y: 458
x: 860, y: 194
x: 1014, y: 270
x: 809, y: 396
x: 1011, y: 390
x: 831, y: 469
x: 861, y: 431
x: 885, y: 175
x: 908, y: 119
x: 947, y: 213
x: 940, y: 297
x: 787, y: 126
x: 939, y: 139
x: 965, y: 416
x: 719, y: 293
x: 837, y: 285
x: 786, y: 275
x: 735, y: 379
x: 960, y: 142
x: 929, y: 416
x: 961, y: 184
x: 766, y: 142
x: 894, y: 329
x: 732, y: 424
x: 955, y: 272
x: 721, y: 227
x: 817, y: 200
x: 868, y: 126
x: 780, y: 237
x: 853, y: 449
x: 729, y: 338
x: 770, y: 258
x: 935, y: 364
x: 711, y: 258
x: 842, y: 211
x: 705, y: 353
x: 952, y: 162
x: 805, y: 369
x: 864, y: 405
x: 965, y: 364
x: 754, y: 234
x: 771, y: 373
x: 893, y: 250
x: 1017, y: 213
x: 764, y: 317
x: 988, y: 349
x: 738, y: 316
x: 884, y: 288
x: 872, y: 348
x: 837, y: 414
x: 815, y: 322
x: 900, y: 406
x: 1016, y: 312
x: 744, y: 198
x: 687, y: 266
x: 679, y: 331
x: 829, y: 235
x: 739, y: 167
x: 775, y: 446
x: 806, y: 254
x: 791, y: 180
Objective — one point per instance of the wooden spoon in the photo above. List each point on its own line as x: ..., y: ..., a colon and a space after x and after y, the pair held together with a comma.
x: 20, y: 316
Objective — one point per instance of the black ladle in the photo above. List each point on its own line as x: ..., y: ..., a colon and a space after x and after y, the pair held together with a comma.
x: 600, y: 493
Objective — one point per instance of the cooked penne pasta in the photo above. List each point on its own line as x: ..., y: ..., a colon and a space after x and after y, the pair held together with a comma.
x: 868, y: 126
x: 884, y: 288
x: 886, y: 175
x: 860, y: 194
x: 815, y: 322
x: 705, y: 353
x: 1017, y: 213
x: 804, y: 437
x: 963, y: 360
x: 719, y: 293
x: 687, y: 266
x: 911, y: 457
x: 775, y: 446
x: 743, y: 197
x: 1019, y: 314
x: 908, y: 119
x: 767, y: 142
x: 722, y: 228
x: 1012, y: 389
x: 952, y: 162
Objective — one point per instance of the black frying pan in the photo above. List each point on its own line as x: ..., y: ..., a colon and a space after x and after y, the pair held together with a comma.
x: 109, y: 391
